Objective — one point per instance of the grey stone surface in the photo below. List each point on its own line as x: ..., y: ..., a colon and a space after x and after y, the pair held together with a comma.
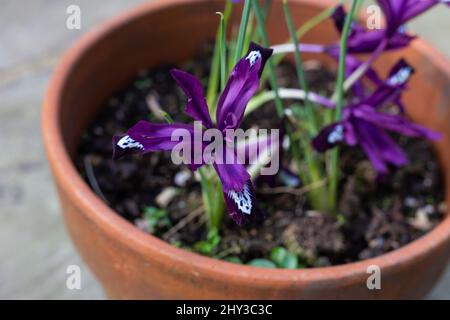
x: 34, y: 248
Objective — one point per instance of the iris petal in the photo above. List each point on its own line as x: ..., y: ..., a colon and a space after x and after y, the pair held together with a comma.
x: 232, y: 176
x: 379, y: 147
x: 396, y: 123
x: 124, y: 145
x: 240, y: 88
x: 196, y: 107
x: 391, y: 89
x: 328, y: 137
x: 158, y: 136
x: 146, y: 137
x: 242, y: 206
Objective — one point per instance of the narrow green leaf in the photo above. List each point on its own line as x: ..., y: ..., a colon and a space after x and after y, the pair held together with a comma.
x: 242, y: 31
x: 218, y: 205
x: 314, y: 171
x: 212, y: 197
x: 167, y: 117
x: 213, y: 81
x: 206, y: 193
x: 298, y: 58
x: 222, y: 49
x: 304, y: 29
x: 334, y: 174
x: 271, y: 70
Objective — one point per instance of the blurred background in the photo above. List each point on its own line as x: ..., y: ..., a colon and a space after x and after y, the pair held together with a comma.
x: 35, y: 250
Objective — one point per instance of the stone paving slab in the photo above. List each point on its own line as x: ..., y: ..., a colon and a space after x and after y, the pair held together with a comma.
x: 34, y: 247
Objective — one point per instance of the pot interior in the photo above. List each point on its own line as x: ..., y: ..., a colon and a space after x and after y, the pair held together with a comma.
x: 112, y: 56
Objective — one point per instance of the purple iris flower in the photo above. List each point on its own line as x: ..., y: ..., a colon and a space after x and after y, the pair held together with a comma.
x: 365, y: 124
x: 397, y: 14
x: 242, y: 84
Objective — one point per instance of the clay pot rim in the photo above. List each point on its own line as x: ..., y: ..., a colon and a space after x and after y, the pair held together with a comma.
x: 147, y: 245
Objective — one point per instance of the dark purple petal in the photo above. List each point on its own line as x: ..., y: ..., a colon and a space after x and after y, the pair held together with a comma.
x: 339, y: 15
x: 123, y: 145
x: 401, y: 72
x: 393, y: 11
x: 237, y: 189
x: 266, y: 53
x: 232, y: 176
x: 360, y: 40
x: 242, y: 206
x: 329, y: 137
x: 379, y: 147
x: 157, y: 136
x: 381, y: 96
x: 196, y: 106
x: 399, y: 40
x: 399, y: 12
x: 240, y: 88
x: 350, y: 135
x: 367, y: 41
x: 391, y: 89
x: 413, y: 8
x: 146, y: 137
x: 396, y: 123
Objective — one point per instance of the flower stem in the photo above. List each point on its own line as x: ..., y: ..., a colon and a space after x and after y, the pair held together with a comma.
x: 303, y: 47
x: 334, y: 174
x: 287, y: 93
x: 363, y: 68
x: 271, y: 69
x: 250, y: 31
x: 213, y: 81
x: 212, y: 197
x: 299, y: 65
x: 306, y: 27
x: 223, y: 53
x: 339, y: 90
x: 298, y: 58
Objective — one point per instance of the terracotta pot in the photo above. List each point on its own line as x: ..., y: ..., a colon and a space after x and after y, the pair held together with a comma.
x: 132, y: 264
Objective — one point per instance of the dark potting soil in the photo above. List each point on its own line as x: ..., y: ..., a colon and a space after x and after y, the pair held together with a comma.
x: 375, y: 216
